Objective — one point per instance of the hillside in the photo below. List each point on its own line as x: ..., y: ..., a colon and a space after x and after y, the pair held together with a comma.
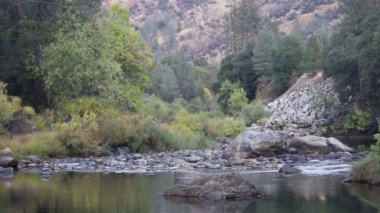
x: 197, y: 25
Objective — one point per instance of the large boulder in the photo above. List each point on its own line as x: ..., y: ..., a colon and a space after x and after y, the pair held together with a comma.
x: 221, y: 187
x: 253, y: 143
x: 311, y: 144
x: 338, y: 146
x: 7, y: 159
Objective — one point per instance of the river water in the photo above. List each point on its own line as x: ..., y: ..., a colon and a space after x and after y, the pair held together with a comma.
x: 91, y: 192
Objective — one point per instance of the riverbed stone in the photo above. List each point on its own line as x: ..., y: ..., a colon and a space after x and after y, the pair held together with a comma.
x: 141, y: 162
x: 194, y: 159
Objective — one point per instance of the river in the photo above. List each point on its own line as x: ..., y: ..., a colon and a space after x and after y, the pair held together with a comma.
x: 95, y: 192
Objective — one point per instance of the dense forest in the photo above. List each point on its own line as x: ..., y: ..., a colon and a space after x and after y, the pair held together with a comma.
x: 79, y: 80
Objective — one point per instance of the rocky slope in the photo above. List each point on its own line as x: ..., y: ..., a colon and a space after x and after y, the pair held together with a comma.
x: 197, y: 25
x: 310, y: 103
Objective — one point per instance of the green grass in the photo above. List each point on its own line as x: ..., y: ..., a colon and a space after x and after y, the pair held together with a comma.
x: 43, y: 144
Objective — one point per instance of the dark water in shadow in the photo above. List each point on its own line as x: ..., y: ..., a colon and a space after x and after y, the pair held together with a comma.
x: 73, y: 192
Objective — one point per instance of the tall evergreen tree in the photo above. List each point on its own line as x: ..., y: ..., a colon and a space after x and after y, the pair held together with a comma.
x: 312, y: 55
x: 263, y: 51
x: 353, y: 57
x: 286, y: 62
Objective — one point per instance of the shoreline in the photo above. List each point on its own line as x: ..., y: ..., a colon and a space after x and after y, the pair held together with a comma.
x: 193, y: 160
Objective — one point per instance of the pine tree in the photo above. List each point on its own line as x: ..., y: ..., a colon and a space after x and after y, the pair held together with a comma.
x: 312, y: 55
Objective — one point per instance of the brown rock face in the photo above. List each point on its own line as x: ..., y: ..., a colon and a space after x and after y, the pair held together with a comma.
x: 223, y: 187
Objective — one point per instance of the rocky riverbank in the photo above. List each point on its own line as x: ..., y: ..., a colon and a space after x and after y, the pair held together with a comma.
x: 182, y: 160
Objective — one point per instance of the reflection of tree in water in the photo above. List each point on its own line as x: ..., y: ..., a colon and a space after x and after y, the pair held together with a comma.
x: 137, y: 193
x: 308, y: 194
x: 367, y: 194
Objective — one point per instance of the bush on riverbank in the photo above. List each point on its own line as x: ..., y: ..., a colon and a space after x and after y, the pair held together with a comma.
x: 370, y: 166
x: 254, y: 112
x: 162, y: 127
x: 43, y: 144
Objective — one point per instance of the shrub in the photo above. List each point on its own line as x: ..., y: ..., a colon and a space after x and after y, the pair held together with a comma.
x: 158, y: 110
x: 237, y: 101
x: 357, y: 119
x: 254, y: 112
x: 376, y: 147
x: 43, y: 144
x: 121, y: 130
x: 81, y: 106
x: 5, y: 108
x: 366, y: 168
x: 222, y: 127
x: 158, y: 138
x: 80, y: 137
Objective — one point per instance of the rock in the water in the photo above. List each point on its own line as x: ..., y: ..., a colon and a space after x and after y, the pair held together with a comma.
x: 289, y: 170
x: 222, y: 187
x: 338, y: 146
x: 7, y: 159
x: 251, y: 143
x: 310, y: 144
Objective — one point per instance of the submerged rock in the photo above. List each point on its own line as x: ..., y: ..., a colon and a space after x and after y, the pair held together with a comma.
x: 230, y: 186
x: 289, y: 170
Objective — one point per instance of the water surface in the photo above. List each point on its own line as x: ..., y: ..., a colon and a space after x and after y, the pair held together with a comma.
x: 75, y: 192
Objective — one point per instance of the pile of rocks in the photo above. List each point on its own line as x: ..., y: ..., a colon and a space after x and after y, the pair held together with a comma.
x: 311, y: 102
x: 179, y: 160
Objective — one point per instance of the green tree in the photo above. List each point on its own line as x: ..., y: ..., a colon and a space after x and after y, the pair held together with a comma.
x: 27, y: 27
x: 238, y: 68
x: 103, y: 57
x: 263, y: 51
x: 237, y: 101
x: 353, y: 58
x: 242, y: 22
x: 312, y: 55
x: 165, y: 83
x: 185, y: 76
x: 225, y: 94
x: 286, y: 61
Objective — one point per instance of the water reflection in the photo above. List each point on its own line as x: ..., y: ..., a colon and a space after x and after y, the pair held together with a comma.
x: 73, y: 192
